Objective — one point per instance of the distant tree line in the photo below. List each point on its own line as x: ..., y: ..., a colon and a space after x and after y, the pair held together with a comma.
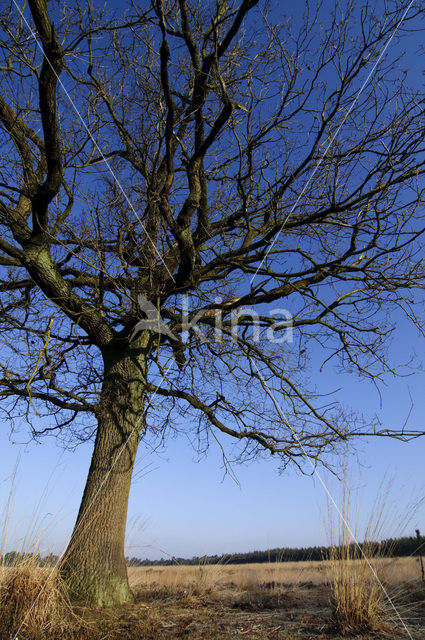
x: 392, y: 547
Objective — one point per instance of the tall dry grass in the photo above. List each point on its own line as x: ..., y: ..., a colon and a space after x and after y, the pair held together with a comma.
x: 362, y: 593
x: 33, y: 602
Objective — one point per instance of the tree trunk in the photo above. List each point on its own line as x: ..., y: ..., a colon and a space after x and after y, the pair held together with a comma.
x: 93, y: 567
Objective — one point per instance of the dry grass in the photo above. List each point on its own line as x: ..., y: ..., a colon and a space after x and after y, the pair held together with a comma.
x: 362, y: 578
x: 300, y: 598
x: 207, y: 602
x: 33, y: 602
x: 251, y: 576
x: 359, y: 603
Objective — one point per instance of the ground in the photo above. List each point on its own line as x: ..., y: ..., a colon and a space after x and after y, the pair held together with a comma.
x: 303, y: 613
x: 277, y: 601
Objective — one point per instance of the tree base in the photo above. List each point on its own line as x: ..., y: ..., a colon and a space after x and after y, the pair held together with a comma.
x: 102, y: 591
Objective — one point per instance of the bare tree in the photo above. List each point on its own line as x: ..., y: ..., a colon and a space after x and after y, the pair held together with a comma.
x: 203, y: 150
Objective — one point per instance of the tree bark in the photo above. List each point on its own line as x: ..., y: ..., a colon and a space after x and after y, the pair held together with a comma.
x: 93, y: 567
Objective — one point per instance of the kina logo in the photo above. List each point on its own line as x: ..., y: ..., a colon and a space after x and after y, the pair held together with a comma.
x: 152, y: 321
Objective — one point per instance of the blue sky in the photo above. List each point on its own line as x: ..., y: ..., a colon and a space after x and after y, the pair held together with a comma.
x: 182, y: 506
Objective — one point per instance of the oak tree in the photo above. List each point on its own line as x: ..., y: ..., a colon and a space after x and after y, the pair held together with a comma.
x: 196, y: 198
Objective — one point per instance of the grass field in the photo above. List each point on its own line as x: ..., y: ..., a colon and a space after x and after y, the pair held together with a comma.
x: 247, y: 576
x: 283, y: 600
x: 277, y: 601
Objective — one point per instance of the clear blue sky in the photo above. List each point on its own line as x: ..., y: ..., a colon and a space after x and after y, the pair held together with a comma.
x: 180, y: 506
x: 183, y: 507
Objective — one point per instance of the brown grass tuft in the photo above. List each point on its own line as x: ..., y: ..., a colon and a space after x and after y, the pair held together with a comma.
x: 32, y: 600
x: 358, y: 601
x: 358, y: 574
